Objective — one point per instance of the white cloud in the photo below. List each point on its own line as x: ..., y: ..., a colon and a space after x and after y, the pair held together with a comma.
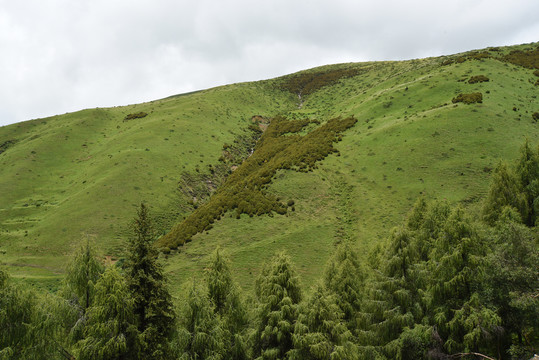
x: 65, y: 55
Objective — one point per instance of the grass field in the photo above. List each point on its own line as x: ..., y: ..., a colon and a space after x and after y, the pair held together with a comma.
x: 82, y: 175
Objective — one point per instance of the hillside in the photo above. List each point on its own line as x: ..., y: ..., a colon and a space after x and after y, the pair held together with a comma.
x: 82, y: 175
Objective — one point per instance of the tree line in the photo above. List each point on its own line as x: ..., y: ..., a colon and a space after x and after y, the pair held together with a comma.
x: 450, y: 283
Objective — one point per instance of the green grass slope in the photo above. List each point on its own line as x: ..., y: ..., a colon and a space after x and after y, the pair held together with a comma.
x: 80, y: 176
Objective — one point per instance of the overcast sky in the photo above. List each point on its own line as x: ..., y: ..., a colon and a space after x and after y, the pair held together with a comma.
x: 59, y: 56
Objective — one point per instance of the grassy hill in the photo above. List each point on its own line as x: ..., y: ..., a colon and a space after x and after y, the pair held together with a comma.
x: 80, y: 176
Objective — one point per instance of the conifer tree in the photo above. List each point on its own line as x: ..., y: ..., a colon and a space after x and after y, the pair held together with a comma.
x: 200, y: 334
x: 225, y: 297
x: 81, y: 275
x: 111, y: 331
x: 26, y: 327
x: 456, y: 310
x: 344, y: 278
x: 527, y: 170
x: 511, y: 285
x: 78, y: 289
x: 393, y: 298
x: 152, y: 302
x: 320, y: 332
x: 278, y: 292
x: 505, y: 190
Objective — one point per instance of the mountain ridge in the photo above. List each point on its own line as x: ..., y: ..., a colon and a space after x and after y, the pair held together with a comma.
x: 81, y: 175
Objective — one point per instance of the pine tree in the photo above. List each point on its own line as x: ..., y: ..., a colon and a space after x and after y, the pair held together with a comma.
x: 505, y: 190
x: 393, y: 298
x: 344, y: 278
x: 227, y: 305
x: 527, y: 171
x: 320, y: 332
x: 278, y: 292
x: 27, y: 328
x: 78, y: 289
x: 200, y: 334
x: 511, y: 283
x: 152, y: 302
x: 456, y: 310
x: 82, y: 274
x: 111, y: 331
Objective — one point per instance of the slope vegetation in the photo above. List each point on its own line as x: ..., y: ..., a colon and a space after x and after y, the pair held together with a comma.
x: 81, y: 176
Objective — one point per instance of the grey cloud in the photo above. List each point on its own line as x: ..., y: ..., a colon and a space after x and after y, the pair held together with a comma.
x: 64, y: 55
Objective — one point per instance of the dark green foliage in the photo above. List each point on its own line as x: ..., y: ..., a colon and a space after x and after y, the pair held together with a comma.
x: 535, y: 116
x: 518, y: 188
x: 111, y: 329
x: 471, y: 98
x: 83, y: 273
x: 227, y: 305
x: 81, y: 277
x: 504, y: 190
x: 459, y: 315
x: 6, y: 144
x: 511, y: 282
x: 320, y: 332
x: 474, y: 55
x: 306, y: 83
x: 344, y: 278
x: 245, y: 189
x: 526, y: 58
x: 393, y: 300
x: 278, y: 293
x: 415, y: 343
x: 198, y: 186
x: 200, y: 335
x: 478, y: 79
x: 153, y: 308
x: 27, y: 329
x: 135, y: 116
x: 527, y: 170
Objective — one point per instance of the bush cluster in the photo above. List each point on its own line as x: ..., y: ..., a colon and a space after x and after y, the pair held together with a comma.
x: 307, y: 83
x: 478, y: 55
x: 6, y: 144
x: 244, y: 191
x: 471, y: 98
x: 135, y: 116
x: 535, y: 116
x: 478, y: 79
x: 526, y: 58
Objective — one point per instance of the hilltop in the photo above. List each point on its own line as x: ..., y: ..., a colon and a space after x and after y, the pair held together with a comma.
x: 79, y: 176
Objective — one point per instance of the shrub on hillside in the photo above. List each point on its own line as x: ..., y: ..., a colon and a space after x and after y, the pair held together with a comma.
x: 535, y: 116
x: 307, y: 83
x: 478, y: 79
x: 526, y: 58
x: 471, y: 98
x: 135, y: 116
x: 244, y: 191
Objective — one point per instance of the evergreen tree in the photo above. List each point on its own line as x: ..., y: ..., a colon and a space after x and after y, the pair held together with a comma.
x: 344, y: 278
x: 200, y: 334
x: 456, y: 311
x: 393, y: 298
x: 320, y: 332
x: 27, y: 328
x: 505, y: 190
x: 82, y: 274
x: 111, y: 331
x: 225, y: 297
x: 527, y: 171
x: 278, y: 292
x: 511, y: 283
x: 152, y: 302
